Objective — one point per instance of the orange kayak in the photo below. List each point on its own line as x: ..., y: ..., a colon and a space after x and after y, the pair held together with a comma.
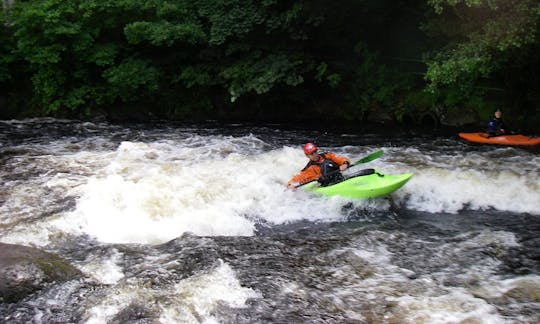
x: 501, y: 140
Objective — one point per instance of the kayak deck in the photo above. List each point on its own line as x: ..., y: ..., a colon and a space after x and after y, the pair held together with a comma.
x: 372, y: 185
x: 483, y: 138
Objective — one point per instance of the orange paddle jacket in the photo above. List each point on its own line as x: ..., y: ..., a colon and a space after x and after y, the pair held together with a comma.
x: 312, y: 170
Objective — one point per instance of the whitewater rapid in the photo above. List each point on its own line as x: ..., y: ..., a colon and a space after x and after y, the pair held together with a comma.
x: 193, y: 223
x: 153, y: 191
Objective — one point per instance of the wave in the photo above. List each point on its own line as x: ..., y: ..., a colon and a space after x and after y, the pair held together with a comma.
x: 217, y: 185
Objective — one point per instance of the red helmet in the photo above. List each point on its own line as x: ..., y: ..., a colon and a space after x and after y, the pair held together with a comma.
x: 309, y: 148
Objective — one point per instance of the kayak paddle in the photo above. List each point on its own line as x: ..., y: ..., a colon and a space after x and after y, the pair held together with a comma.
x: 369, y: 158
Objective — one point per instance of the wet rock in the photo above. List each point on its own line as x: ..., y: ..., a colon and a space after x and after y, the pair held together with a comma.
x: 458, y: 117
x: 24, y: 270
x: 136, y: 313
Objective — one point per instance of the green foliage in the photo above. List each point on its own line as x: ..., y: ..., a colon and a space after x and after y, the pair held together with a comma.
x: 164, y: 33
x: 228, y: 19
x: 101, y: 55
x: 48, y: 87
x: 259, y: 73
x: 461, y: 67
x: 419, y: 98
x: 439, y: 5
x: 374, y: 85
x: 477, y: 34
x: 58, y: 43
x: 6, y: 45
x: 131, y: 79
x: 322, y: 73
x: 91, y: 53
x: 191, y: 57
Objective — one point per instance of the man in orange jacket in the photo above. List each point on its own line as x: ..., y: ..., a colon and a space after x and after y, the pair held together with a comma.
x: 325, y: 167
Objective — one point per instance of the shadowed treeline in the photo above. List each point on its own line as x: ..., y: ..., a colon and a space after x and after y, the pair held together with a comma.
x: 418, y: 60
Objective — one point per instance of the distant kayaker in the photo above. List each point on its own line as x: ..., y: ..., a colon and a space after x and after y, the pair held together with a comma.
x: 324, y: 167
x: 495, y: 126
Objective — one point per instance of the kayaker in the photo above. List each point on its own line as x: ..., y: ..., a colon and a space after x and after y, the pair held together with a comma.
x: 495, y: 126
x: 325, y: 167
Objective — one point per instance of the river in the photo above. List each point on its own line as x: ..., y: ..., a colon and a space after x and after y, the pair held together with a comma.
x: 191, y: 223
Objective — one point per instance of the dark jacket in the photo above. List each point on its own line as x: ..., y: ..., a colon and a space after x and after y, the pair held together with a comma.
x: 494, y: 126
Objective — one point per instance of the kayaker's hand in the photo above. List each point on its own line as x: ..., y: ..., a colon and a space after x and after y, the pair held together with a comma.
x: 343, y: 167
x: 293, y: 185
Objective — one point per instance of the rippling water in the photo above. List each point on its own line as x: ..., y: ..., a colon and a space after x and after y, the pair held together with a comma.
x: 191, y: 223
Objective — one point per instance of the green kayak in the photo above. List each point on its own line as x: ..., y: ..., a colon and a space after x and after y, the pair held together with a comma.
x: 365, y: 184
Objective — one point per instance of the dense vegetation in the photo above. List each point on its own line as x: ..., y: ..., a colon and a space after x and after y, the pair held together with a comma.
x: 271, y: 59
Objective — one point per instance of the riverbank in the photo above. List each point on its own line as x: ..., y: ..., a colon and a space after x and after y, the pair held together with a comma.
x: 415, y: 122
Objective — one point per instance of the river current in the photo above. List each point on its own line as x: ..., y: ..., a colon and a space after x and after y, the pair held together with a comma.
x: 191, y: 223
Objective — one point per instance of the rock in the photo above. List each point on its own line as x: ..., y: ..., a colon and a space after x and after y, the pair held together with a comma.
x: 25, y: 270
x: 458, y: 117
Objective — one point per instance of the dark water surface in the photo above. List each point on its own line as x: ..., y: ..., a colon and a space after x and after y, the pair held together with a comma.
x: 191, y: 224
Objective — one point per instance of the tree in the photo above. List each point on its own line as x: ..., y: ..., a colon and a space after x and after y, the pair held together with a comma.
x: 479, y: 37
x: 92, y: 53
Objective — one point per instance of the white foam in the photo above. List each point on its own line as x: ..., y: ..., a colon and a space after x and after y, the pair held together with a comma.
x: 424, y: 298
x: 440, y: 190
x: 36, y: 235
x: 457, y: 306
x: 196, y: 297
x: 224, y: 185
x: 527, y: 286
x: 436, y: 302
x: 110, y: 305
x: 106, y: 271
x: 153, y: 200
x: 189, y: 301
x: 449, y: 183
